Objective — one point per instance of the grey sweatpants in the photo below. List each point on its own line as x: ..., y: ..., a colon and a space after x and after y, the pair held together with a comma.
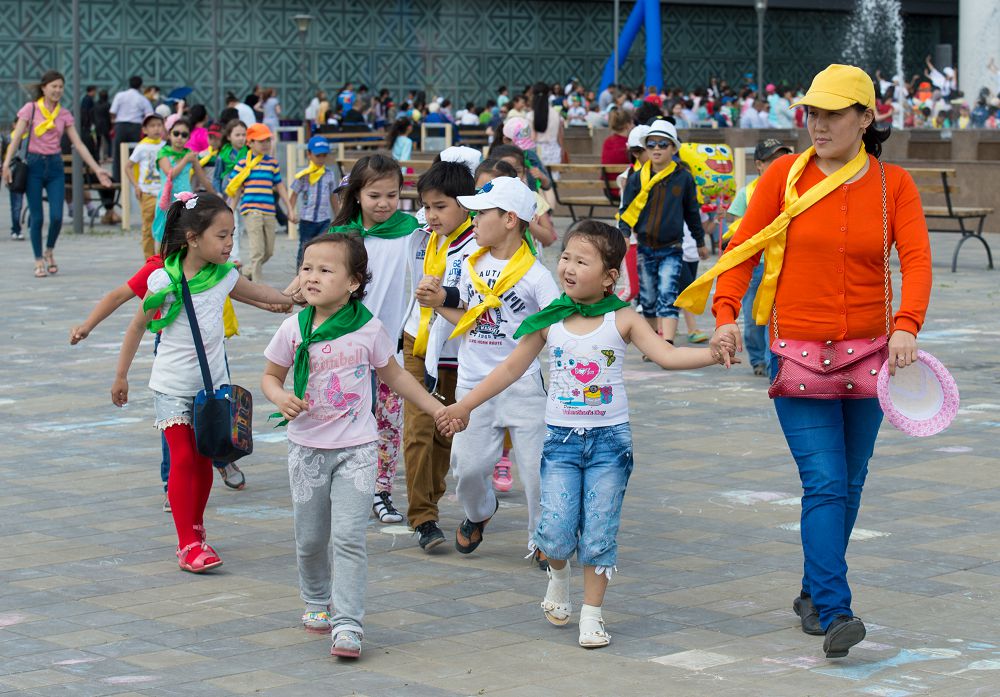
x: 520, y: 409
x: 331, y: 499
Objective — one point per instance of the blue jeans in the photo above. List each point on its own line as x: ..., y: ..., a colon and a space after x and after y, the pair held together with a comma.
x: 584, y: 474
x: 659, y: 280
x: 832, y: 441
x: 16, y: 205
x: 755, y: 335
x: 45, y: 172
x: 308, y: 229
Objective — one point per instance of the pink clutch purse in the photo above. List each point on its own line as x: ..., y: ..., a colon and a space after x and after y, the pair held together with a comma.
x: 828, y: 369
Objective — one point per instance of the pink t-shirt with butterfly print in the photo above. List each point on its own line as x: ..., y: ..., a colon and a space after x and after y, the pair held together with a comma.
x: 339, y: 392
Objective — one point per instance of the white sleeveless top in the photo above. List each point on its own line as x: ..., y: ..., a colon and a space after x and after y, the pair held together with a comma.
x: 586, y: 385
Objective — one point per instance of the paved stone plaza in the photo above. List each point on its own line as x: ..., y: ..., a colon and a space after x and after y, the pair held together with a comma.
x: 92, y: 601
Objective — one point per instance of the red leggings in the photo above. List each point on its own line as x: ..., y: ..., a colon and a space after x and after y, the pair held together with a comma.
x: 189, y: 483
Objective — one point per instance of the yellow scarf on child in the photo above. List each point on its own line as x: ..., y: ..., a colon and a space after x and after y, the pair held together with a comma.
x: 207, y: 157
x: 735, y: 225
x: 631, y: 215
x: 236, y: 183
x: 435, y: 261
x: 314, y: 171
x: 49, y: 117
x: 513, y: 271
x: 135, y: 166
x: 771, y: 239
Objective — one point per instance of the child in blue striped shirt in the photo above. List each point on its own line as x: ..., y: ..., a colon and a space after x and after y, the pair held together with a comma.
x: 256, y: 180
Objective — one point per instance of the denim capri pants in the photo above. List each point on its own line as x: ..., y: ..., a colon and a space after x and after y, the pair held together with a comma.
x: 584, y: 474
x: 659, y: 280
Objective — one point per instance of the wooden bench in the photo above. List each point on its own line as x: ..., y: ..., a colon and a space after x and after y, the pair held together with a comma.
x: 584, y: 186
x: 950, y: 211
x: 90, y: 183
x: 414, y: 168
x: 473, y: 136
x: 341, y: 141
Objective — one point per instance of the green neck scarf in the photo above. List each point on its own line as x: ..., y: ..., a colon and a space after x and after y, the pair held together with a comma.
x: 206, y: 278
x: 169, y: 152
x: 398, y: 225
x: 228, y: 157
x: 563, y: 307
x: 350, y: 318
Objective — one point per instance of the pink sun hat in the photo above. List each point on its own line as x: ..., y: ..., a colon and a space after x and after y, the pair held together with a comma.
x: 921, y: 399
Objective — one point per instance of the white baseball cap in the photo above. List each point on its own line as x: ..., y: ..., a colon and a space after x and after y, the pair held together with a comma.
x: 661, y: 128
x: 505, y: 193
x: 637, y: 136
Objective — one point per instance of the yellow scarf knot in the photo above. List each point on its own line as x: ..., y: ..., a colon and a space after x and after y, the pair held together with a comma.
x: 435, y: 261
x: 513, y: 271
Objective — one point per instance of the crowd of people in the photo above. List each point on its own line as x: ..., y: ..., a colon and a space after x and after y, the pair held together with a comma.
x: 459, y: 291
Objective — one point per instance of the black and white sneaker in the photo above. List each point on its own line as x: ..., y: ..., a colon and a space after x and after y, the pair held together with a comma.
x: 430, y: 535
x: 17, y: 236
x: 384, y: 510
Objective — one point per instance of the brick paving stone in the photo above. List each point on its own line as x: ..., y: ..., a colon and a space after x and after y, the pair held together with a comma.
x: 92, y: 603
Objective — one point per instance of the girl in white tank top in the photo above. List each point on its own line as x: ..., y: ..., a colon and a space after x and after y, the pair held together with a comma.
x: 587, y: 456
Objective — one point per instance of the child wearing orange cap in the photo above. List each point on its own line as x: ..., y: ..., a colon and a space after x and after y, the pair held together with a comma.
x: 256, y: 180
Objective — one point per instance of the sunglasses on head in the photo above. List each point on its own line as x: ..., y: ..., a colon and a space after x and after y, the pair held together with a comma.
x: 180, y: 134
x: 658, y: 144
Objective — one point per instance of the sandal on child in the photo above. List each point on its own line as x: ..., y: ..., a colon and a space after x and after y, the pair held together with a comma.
x: 199, y: 530
x: 40, y: 270
x: 317, y: 621
x: 592, y: 634
x: 207, y: 559
x: 346, y: 644
x: 557, y: 612
x: 470, y: 535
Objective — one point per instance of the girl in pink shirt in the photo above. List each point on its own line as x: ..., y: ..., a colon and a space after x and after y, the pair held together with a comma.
x: 47, y: 121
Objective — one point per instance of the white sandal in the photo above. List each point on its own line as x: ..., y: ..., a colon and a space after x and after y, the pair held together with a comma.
x: 557, y: 613
x: 592, y: 634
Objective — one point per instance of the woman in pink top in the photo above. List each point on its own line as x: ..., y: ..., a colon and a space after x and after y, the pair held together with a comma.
x: 48, y: 121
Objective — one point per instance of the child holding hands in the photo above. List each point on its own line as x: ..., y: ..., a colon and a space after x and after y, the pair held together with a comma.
x: 587, y: 456
x: 332, y: 346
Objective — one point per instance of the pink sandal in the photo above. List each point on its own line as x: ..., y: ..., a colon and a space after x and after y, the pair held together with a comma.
x: 202, y: 562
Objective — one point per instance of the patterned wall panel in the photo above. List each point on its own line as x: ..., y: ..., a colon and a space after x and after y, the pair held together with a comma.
x: 462, y: 49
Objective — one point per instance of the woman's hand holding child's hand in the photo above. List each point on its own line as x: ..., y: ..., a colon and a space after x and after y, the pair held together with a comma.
x: 291, y: 406
x: 429, y: 292
x: 726, y: 342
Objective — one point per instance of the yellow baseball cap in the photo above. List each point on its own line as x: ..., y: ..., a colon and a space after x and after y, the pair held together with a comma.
x: 838, y: 87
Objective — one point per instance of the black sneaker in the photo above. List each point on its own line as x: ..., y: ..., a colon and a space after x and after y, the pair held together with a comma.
x: 430, y: 535
x: 843, y: 633
x: 804, y: 608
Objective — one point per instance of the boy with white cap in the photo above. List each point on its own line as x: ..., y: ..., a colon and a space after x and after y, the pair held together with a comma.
x: 501, y: 284
x: 657, y: 201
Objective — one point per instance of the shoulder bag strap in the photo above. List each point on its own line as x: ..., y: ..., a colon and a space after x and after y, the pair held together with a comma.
x: 885, y: 247
x: 199, y: 347
x: 31, y: 127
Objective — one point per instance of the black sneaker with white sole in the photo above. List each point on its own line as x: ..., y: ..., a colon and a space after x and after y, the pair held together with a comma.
x: 430, y: 535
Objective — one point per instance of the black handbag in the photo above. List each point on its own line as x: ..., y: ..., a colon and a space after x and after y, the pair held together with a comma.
x: 223, y: 429
x: 19, y: 163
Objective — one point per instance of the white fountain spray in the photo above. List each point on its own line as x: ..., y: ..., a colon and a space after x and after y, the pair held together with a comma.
x: 874, y: 38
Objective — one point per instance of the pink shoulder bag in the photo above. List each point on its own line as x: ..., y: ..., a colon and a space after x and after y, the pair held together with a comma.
x: 834, y: 369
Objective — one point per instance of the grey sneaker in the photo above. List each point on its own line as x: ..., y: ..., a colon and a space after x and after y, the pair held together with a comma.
x: 346, y: 644
x: 232, y: 476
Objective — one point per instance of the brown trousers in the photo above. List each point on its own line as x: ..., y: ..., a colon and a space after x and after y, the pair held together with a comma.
x: 147, y: 205
x: 426, y: 452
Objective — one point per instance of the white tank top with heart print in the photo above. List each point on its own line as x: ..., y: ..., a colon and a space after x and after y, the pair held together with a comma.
x: 586, y: 385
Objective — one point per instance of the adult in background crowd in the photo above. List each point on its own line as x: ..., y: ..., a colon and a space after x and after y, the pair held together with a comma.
x: 48, y: 122
x: 128, y: 109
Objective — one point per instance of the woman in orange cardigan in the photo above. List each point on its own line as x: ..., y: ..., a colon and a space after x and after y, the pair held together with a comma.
x: 826, y: 281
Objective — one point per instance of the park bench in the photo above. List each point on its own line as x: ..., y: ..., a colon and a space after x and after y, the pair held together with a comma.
x: 949, y: 211
x: 341, y: 141
x: 584, y: 186
x: 90, y: 183
x: 473, y: 136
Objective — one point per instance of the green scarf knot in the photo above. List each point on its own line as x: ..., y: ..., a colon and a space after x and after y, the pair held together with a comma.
x: 398, y: 225
x: 208, y: 277
x: 563, y: 307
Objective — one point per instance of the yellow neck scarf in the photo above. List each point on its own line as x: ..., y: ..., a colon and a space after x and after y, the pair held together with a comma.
x: 135, y: 166
x: 631, y: 215
x: 207, y: 157
x: 513, y: 271
x: 236, y: 183
x: 735, y: 225
x: 314, y: 171
x: 50, y: 117
x: 435, y: 260
x: 771, y: 239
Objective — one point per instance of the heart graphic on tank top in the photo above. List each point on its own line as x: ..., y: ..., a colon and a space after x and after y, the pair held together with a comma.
x: 585, y: 372
x: 327, y: 348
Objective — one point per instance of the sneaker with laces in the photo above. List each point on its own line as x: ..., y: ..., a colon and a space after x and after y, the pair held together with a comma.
x: 383, y: 508
x: 346, y: 644
x: 232, y: 476
x: 430, y: 535
x: 502, y: 481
